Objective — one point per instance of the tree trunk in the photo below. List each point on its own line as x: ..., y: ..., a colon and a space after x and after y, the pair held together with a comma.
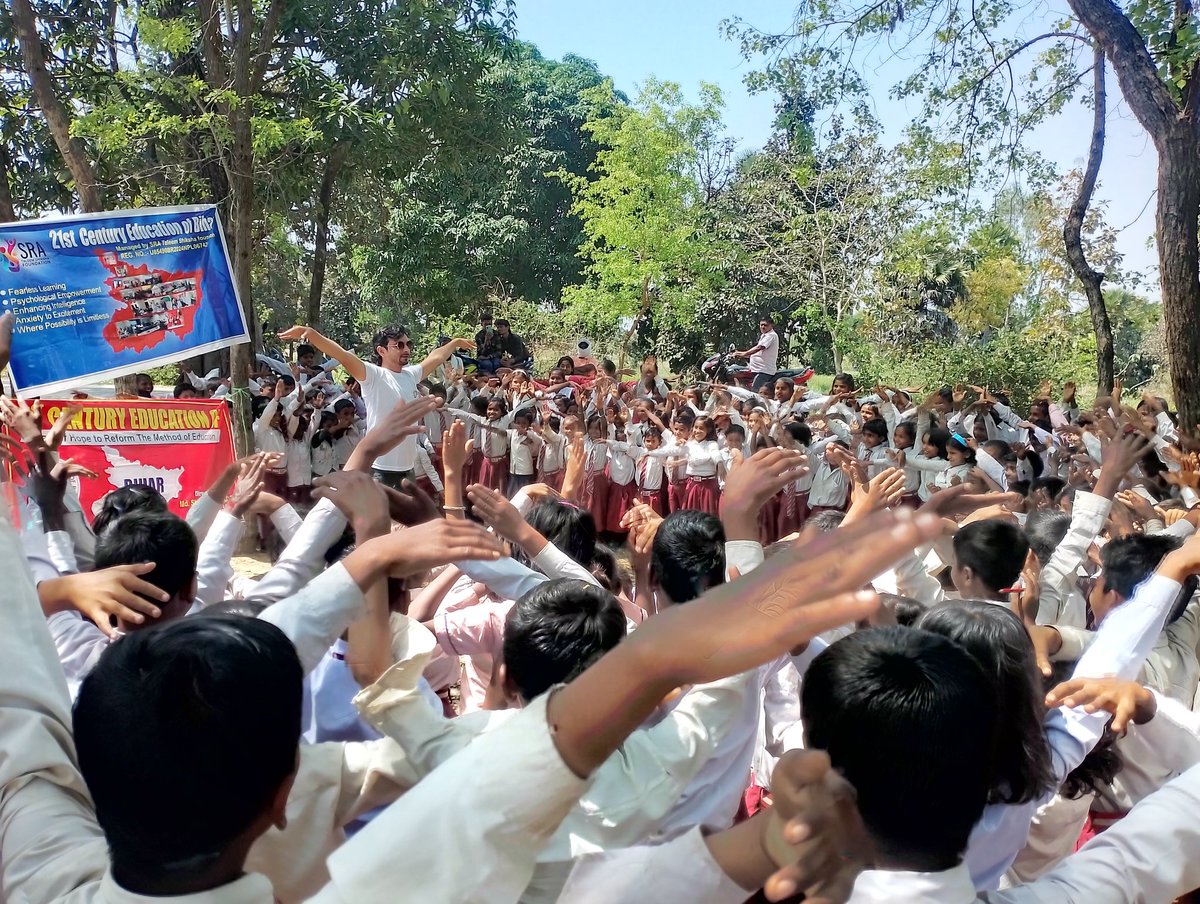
x: 241, y: 358
x: 8, y: 211
x: 333, y: 166
x: 1073, y: 236
x: 57, y: 117
x: 1178, y: 228
x: 1175, y: 131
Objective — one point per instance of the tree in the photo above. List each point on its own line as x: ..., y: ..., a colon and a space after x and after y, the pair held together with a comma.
x: 972, y: 84
x: 644, y: 218
x: 483, y: 217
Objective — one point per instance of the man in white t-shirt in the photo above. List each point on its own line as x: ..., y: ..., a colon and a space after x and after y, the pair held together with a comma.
x: 385, y: 382
x: 764, y: 357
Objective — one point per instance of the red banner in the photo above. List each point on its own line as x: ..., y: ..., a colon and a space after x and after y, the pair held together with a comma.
x: 177, y: 447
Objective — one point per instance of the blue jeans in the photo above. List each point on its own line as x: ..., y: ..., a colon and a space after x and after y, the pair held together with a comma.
x: 761, y: 380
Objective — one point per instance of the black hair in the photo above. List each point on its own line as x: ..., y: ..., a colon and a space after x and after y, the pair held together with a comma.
x: 784, y: 381
x: 1020, y: 486
x: 999, y: 450
x: 556, y: 630
x: 1052, y: 485
x: 909, y: 428
x: 383, y: 337
x: 688, y: 554
x: 909, y: 719
x: 181, y: 388
x: 1045, y: 529
x: 479, y: 404
x: 604, y: 568
x: 304, y: 349
x: 570, y: 528
x: 497, y: 400
x: 341, y: 405
x: 180, y: 704
x: 1130, y: 560
x: 846, y: 378
x: 134, y: 497
x: 938, y: 437
x: 289, y: 381
x: 437, y: 389
x: 250, y: 608
x: 502, y: 322
x: 995, y: 550
x: 801, y: 433
x: 570, y: 363
x: 826, y: 522
x: 653, y: 431
x: 736, y: 428
x: 877, y: 426
x: 998, y: 641
x: 954, y: 443
x: 259, y: 403
x: 710, y: 429
x: 523, y: 415
x: 904, y: 609
x: 159, y: 537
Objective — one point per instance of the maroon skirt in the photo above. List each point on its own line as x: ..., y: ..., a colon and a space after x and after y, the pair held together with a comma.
x: 676, y: 490
x: 702, y: 494
x: 793, y: 511
x: 594, y: 497
x: 768, y: 521
x: 554, y: 479
x: 656, y: 499
x: 620, y: 499
x: 493, y: 473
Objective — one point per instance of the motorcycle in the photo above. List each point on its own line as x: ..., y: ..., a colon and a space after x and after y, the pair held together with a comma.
x: 726, y: 367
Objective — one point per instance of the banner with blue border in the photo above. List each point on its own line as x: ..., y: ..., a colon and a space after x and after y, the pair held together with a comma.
x: 105, y: 294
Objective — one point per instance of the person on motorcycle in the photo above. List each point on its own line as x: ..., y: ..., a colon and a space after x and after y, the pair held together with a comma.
x: 764, y: 356
x: 500, y: 347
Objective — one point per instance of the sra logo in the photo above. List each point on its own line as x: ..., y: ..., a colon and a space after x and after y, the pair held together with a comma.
x: 16, y: 254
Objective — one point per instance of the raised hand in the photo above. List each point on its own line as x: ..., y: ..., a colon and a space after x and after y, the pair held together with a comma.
x: 250, y: 484
x: 55, y: 437
x: 815, y: 834
x: 1128, y: 701
x: 296, y: 334
x: 401, y: 422
x: 493, y: 509
x: 881, y: 491
x: 410, y: 505
x: 23, y: 419
x: 417, y: 549
x: 751, y: 485
x: 101, y: 595
x: 456, y: 448
x: 357, y: 496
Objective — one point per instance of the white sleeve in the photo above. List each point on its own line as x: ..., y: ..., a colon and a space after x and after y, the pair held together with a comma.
x: 287, y: 522
x: 505, y: 578
x: 1150, y: 855
x: 555, y: 563
x: 202, y: 514
x: 510, y: 784
x: 303, y: 557
x: 214, y: 563
x: 1121, y: 645
x: 680, y: 870
x: 1087, y: 520
x: 316, y: 616
x: 991, y: 467
x: 914, y: 582
x: 744, y: 555
x: 61, y: 548
x: 51, y: 845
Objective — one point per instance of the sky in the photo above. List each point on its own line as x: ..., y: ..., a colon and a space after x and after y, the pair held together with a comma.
x: 681, y: 41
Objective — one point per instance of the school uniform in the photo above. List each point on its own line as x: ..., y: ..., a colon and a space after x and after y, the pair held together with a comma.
x: 523, y: 456
x: 622, y: 486
x: 594, y: 493
x: 552, y: 459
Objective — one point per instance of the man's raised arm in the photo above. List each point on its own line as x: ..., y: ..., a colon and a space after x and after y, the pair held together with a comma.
x: 353, y: 364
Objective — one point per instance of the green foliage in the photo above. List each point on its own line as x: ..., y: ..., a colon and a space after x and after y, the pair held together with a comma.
x: 642, y: 209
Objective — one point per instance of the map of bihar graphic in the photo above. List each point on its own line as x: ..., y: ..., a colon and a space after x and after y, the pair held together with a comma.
x: 152, y: 303
x: 122, y: 472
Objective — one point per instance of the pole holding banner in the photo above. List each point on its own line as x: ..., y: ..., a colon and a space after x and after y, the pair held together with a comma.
x: 102, y: 295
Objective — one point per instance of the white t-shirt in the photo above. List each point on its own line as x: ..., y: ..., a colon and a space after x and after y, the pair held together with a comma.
x: 765, y: 361
x: 381, y: 390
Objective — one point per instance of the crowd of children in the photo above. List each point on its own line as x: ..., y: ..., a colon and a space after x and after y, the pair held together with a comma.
x: 584, y: 640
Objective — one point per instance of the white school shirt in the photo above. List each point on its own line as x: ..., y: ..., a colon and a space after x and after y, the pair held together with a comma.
x: 344, y: 445
x: 1123, y: 641
x: 425, y: 466
x: 553, y: 455
x: 1149, y: 856
x: 381, y: 391
x: 523, y: 452
x: 622, y: 463
x: 267, y: 438
x: 324, y: 458
x: 629, y: 795
x: 704, y: 459
x: 437, y: 422
x: 946, y: 478
x: 829, y: 485
x: 921, y: 471
x: 1060, y: 602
